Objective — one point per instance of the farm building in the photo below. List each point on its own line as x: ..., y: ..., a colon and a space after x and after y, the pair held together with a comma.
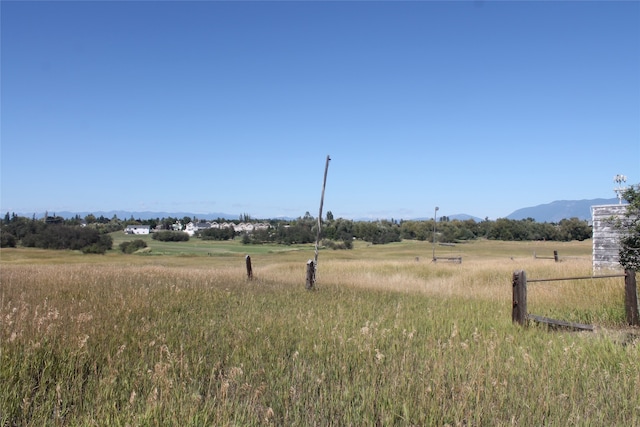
x: 606, y: 238
x: 137, y: 229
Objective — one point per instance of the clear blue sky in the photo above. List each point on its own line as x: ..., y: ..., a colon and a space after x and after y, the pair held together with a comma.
x: 476, y: 107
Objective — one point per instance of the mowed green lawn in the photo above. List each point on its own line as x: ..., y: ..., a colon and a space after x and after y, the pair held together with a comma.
x: 178, y: 335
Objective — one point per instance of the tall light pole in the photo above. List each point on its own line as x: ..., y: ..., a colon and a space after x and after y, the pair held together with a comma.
x: 435, y: 213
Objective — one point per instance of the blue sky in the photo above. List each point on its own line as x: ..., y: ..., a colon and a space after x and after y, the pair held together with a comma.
x: 476, y: 107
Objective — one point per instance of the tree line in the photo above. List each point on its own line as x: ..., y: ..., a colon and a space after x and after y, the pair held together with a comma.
x: 53, y: 233
x: 56, y: 232
x: 91, y: 234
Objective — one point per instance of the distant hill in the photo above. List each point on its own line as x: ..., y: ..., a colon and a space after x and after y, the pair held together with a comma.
x: 561, y: 209
x: 464, y: 217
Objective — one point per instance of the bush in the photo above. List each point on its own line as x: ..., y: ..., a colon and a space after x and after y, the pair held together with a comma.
x: 93, y: 249
x: 337, y: 244
x: 630, y: 227
x: 131, y: 247
x: 171, y: 236
x: 104, y: 243
x: 258, y: 237
x: 226, y: 233
x: 7, y: 240
x: 58, y: 236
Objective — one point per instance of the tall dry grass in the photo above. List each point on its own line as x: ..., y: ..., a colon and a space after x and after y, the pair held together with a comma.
x: 385, y: 340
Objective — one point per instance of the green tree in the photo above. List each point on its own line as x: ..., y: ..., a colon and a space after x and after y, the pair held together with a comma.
x: 378, y: 233
x: 630, y: 227
x: 246, y: 239
x: 57, y: 236
x: 574, y: 229
x: 7, y: 240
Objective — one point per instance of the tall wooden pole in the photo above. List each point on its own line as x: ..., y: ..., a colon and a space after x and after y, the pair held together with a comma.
x: 324, y: 184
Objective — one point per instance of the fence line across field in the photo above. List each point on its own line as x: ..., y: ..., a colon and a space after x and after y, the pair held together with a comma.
x: 554, y: 257
x: 605, y: 276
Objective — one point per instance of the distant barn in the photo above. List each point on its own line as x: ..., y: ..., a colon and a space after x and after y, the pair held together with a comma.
x: 606, y: 238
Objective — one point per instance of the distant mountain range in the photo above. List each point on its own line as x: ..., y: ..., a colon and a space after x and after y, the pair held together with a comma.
x: 550, y: 212
x: 561, y: 209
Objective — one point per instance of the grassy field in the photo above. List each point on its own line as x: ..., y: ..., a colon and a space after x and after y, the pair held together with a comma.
x: 178, y: 335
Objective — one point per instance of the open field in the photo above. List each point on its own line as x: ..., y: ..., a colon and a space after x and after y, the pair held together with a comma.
x: 179, y: 336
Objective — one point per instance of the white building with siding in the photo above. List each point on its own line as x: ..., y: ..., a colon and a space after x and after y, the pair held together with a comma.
x: 137, y: 229
x: 606, y: 238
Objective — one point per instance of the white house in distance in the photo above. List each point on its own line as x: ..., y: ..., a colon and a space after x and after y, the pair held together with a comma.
x: 137, y: 229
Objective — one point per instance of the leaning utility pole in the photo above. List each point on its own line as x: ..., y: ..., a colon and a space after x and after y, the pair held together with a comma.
x: 311, y: 279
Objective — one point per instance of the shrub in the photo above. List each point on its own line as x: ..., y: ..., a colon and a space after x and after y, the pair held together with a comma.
x: 104, y: 243
x: 337, y: 244
x: 171, y: 236
x: 225, y: 233
x: 131, y: 247
x: 93, y: 249
x: 7, y: 240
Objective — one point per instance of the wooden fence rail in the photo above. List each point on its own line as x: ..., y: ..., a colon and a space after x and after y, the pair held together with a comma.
x: 520, y: 315
x: 631, y: 298
x: 557, y: 279
x: 554, y: 257
x: 454, y: 259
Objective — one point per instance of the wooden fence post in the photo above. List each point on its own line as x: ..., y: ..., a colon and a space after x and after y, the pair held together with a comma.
x: 311, y: 275
x: 631, y: 298
x: 555, y: 256
x: 519, y: 310
x: 249, y: 269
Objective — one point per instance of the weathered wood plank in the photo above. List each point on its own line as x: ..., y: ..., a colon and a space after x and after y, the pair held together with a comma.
x: 606, y: 236
x: 452, y: 259
x: 560, y: 323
